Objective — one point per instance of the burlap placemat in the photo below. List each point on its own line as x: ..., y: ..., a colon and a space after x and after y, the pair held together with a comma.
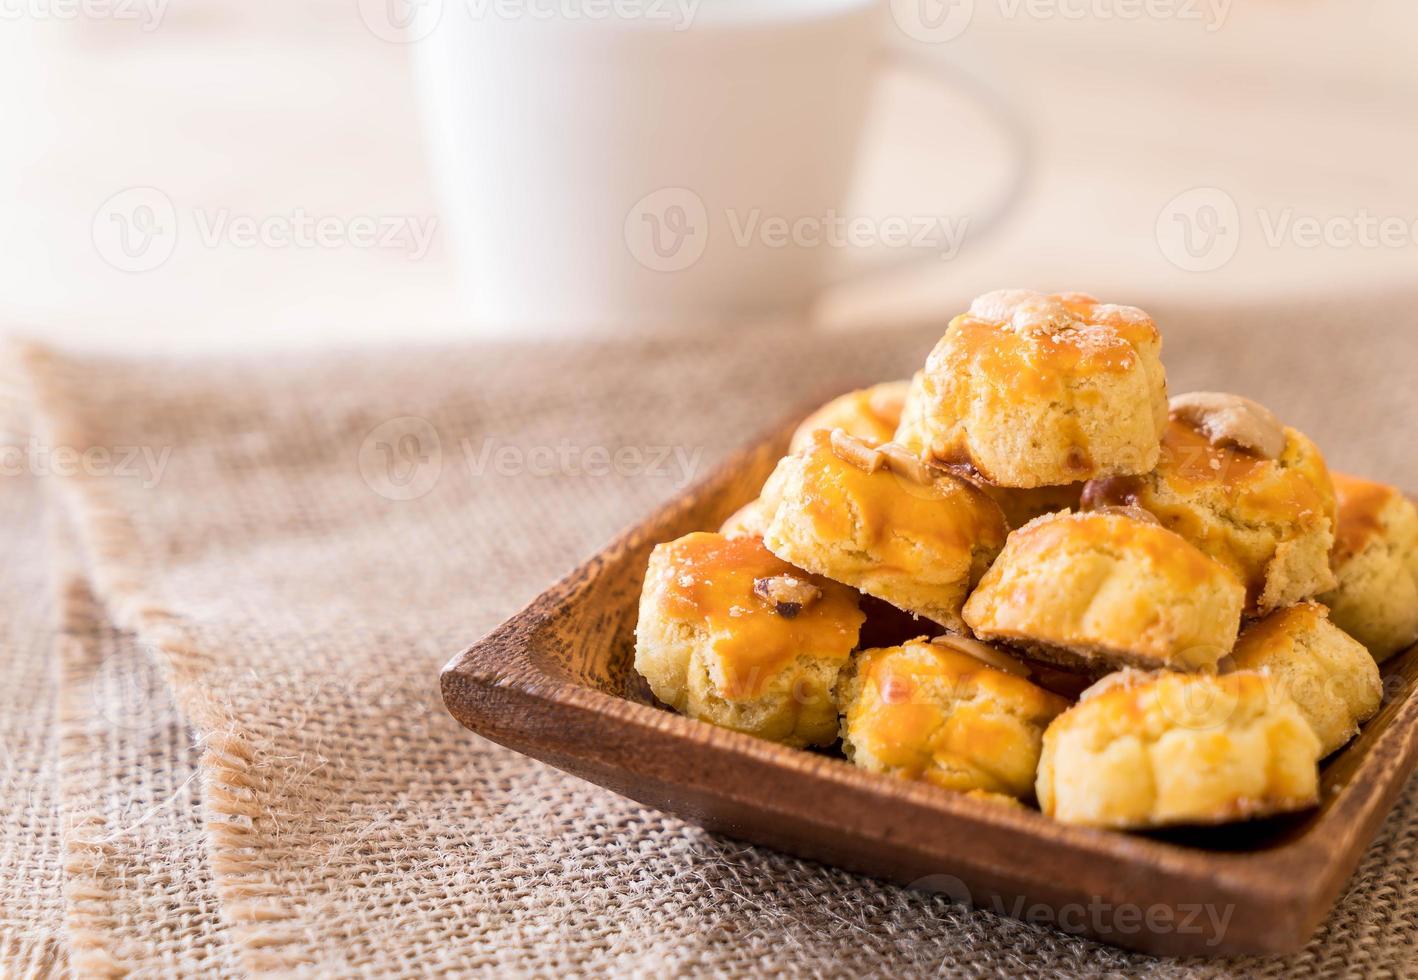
x: 31, y: 861
x: 102, y: 849
x: 138, y: 884
x: 301, y: 569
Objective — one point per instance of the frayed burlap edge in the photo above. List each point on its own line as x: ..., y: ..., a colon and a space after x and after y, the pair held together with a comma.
x: 88, y: 900
x: 233, y: 774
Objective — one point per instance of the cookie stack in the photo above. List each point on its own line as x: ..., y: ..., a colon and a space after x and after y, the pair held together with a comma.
x: 1135, y: 612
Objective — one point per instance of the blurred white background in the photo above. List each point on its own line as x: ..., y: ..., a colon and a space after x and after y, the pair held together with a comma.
x: 1301, y: 117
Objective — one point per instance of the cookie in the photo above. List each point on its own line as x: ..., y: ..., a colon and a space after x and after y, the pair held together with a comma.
x: 1147, y: 750
x: 932, y: 711
x: 1375, y: 562
x: 1248, y: 491
x: 746, y: 522
x: 1020, y: 506
x: 1329, y: 675
x: 871, y: 414
x: 1103, y: 590
x: 1032, y: 390
x: 732, y: 635
x: 880, y: 520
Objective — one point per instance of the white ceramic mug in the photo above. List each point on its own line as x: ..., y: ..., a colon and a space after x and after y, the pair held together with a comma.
x: 623, y: 163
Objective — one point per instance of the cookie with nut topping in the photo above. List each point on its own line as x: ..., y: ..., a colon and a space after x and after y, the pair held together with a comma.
x: 1247, y: 490
x: 1034, y: 390
x: 1144, y: 750
x: 1327, y: 673
x: 1099, y: 591
x: 1375, y: 560
x: 730, y: 634
x: 882, y: 520
x: 871, y: 414
x: 951, y: 712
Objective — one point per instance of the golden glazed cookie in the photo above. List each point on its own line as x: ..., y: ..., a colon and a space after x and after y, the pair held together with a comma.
x: 1327, y: 673
x: 880, y: 520
x: 746, y: 522
x: 1248, y: 491
x: 871, y: 414
x: 931, y: 711
x: 751, y: 520
x: 1108, y: 589
x: 1152, y: 750
x: 1020, y: 506
x: 1032, y: 390
x: 1375, y: 559
x: 732, y: 635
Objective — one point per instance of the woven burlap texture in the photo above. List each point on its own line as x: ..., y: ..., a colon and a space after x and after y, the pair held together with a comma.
x: 299, y: 570
x: 31, y: 858
x: 137, y: 880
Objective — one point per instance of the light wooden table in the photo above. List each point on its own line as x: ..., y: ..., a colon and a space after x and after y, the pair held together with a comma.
x: 1298, y: 113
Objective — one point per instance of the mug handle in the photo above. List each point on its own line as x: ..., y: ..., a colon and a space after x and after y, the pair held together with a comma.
x: 1009, y: 123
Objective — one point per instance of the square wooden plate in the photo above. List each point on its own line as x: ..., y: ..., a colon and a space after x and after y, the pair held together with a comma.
x: 556, y: 682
